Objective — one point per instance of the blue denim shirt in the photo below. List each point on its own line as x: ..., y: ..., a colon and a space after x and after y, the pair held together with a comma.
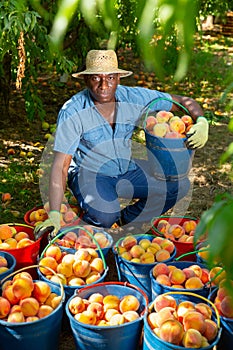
x: 86, y: 135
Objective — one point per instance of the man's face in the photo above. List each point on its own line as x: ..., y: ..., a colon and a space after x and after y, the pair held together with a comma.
x: 102, y: 87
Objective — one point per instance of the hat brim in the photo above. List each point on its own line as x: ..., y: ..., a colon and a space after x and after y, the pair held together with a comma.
x: 123, y: 73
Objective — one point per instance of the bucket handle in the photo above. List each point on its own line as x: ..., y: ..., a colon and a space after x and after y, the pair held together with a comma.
x: 152, y: 103
x: 74, y: 228
x: 126, y: 284
x: 167, y: 217
x: 37, y: 266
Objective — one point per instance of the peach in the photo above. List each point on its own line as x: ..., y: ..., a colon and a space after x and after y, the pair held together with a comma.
x: 101, y: 239
x: 70, y: 236
x: 145, y: 243
x: 81, y: 268
x: 176, y: 230
x: 192, y: 338
x: 150, y: 122
x: 128, y: 242
x: 183, y: 308
x: 130, y: 315
x: 163, y: 116
x: 93, y: 277
x: 44, y: 310
x: 129, y: 303
x: 195, y: 320
x: 87, y: 317
x: 183, y: 238
x: 162, y: 301
x: 65, y: 269
x: 41, y: 291
x: 211, y: 330
x: 84, y: 231
x: 152, y: 320
x: 189, y: 272
x: 75, y: 281
x: 3, y: 261
x: 147, y: 258
x: 92, y: 252
x: 25, y: 242
x: 15, y: 308
x: 177, y: 125
x: 172, y: 135
x: 164, y: 280
x: 5, y: 307
x: 167, y: 313
x: 40, y: 215
x: 171, y: 331
x: 177, y: 276
x: 4, y: 246
x: 50, y: 262
x: 83, y: 242
x: 126, y: 255
x: 189, y: 225
x: 6, y: 196
x: 54, y: 251
x: 221, y: 293
x: 76, y: 305
x: 162, y: 255
x: 5, y: 232
x: 63, y: 208
x: 153, y: 248
x: 16, y: 317
x: 22, y: 287
x: 82, y: 254
x: 53, y: 300
x: 194, y: 283
x: 167, y: 245
x: 160, y: 269
x: 69, y: 216
x: 187, y: 119
x: 97, y: 308
x: 96, y: 297
x: 32, y: 216
x: 3, y: 269
x: 158, y: 240
x: 9, y: 295
x: 109, y: 313
x: 204, y: 309
x: 68, y: 258
x: 160, y: 129
x: 31, y: 319
x: 205, y: 276
x: 111, y: 302
x: 226, y: 306
x: 116, y: 320
x: 197, y: 269
x: 216, y: 275
x: 97, y: 265
x: 136, y: 251
x: 163, y: 226
x: 23, y: 274
x: 20, y: 235
x: 58, y: 278
x: 29, y: 306
x: 11, y: 242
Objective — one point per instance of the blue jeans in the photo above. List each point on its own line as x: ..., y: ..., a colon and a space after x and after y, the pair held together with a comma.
x: 98, y: 195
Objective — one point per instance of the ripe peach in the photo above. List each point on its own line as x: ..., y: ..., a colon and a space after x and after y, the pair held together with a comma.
x: 160, y: 269
x: 111, y: 302
x: 147, y: 258
x: 172, y: 135
x: 65, y: 269
x: 128, y: 242
x: 54, y: 251
x: 192, y: 338
x: 204, y: 309
x: 177, y: 276
x: 92, y: 277
x: 109, y: 313
x: 163, y: 226
x: 81, y: 268
x: 153, y: 248
x: 150, y: 122
x: 221, y: 293
x: 216, y: 275
x: 9, y: 295
x: 101, y: 239
x: 40, y: 215
x: 20, y: 235
x: 164, y: 280
x: 183, y: 308
x: 85, y: 230
x: 16, y: 317
x: 130, y: 315
x: 97, y: 308
x: 63, y: 208
x: 3, y: 261
x: 11, y: 242
x: 23, y: 274
x: 193, y: 283
x: 41, y: 291
x: 152, y: 320
x: 187, y: 120
x: 129, y: 302
x: 176, y: 230
x: 15, y: 308
x: 68, y: 258
x: 58, y: 278
x: 136, y: 251
x: 29, y: 306
x: 205, y: 275
x: 126, y: 255
x: 97, y: 265
x: 162, y: 255
x: 76, y: 305
x: 96, y: 297
x: 5, y: 307
x: 211, y: 330
x: 69, y: 216
x: 160, y: 129
x: 197, y: 269
x: 145, y: 243
x: 5, y: 232
x: 82, y: 254
x: 158, y: 240
x: 50, y: 262
x: 167, y: 245
x: 189, y: 225
x: 226, y: 306
x: 162, y: 301
x: 32, y: 216
x: 83, y: 242
x: 189, y: 272
x: 171, y: 331
x: 75, y: 281
x: 195, y: 320
x: 87, y: 317
x: 93, y: 253
x: 163, y: 116
x: 177, y: 125
x: 22, y: 287
x: 44, y: 310
x: 116, y: 320
x: 24, y: 242
x: 183, y: 238
x: 31, y: 319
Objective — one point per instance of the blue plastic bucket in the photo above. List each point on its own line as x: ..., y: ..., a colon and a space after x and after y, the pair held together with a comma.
x: 42, y: 334
x: 158, y: 288
x: 152, y: 342
x: 135, y: 273
x: 125, y: 336
x: 226, y: 339
x: 11, y: 262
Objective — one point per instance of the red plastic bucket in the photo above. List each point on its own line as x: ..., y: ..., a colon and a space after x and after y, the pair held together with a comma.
x: 181, y: 247
x: 27, y: 255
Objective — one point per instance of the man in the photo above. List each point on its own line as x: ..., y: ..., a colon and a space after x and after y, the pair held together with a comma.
x: 93, y: 149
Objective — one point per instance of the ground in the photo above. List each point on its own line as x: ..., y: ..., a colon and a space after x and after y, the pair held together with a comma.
x: 27, y: 139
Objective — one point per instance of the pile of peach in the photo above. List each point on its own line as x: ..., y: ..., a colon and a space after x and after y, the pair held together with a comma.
x: 185, y: 324
x: 224, y: 302
x: 82, y: 239
x: 165, y: 124
x: 145, y: 251
x: 177, y: 232
x: 192, y: 277
x: 68, y: 214
x: 78, y: 269
x: 11, y: 239
x: 3, y: 264
x: 108, y: 310
x: 25, y: 300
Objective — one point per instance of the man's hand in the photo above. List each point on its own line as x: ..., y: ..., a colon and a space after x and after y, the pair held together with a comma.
x: 52, y: 225
x: 198, y: 134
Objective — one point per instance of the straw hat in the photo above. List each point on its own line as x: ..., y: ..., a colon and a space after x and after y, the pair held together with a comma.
x: 102, y: 62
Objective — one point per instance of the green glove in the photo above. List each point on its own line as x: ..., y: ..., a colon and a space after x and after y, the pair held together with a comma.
x: 52, y: 225
x: 198, y: 134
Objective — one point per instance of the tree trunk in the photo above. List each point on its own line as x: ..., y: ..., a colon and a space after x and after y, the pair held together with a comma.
x: 5, y: 84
